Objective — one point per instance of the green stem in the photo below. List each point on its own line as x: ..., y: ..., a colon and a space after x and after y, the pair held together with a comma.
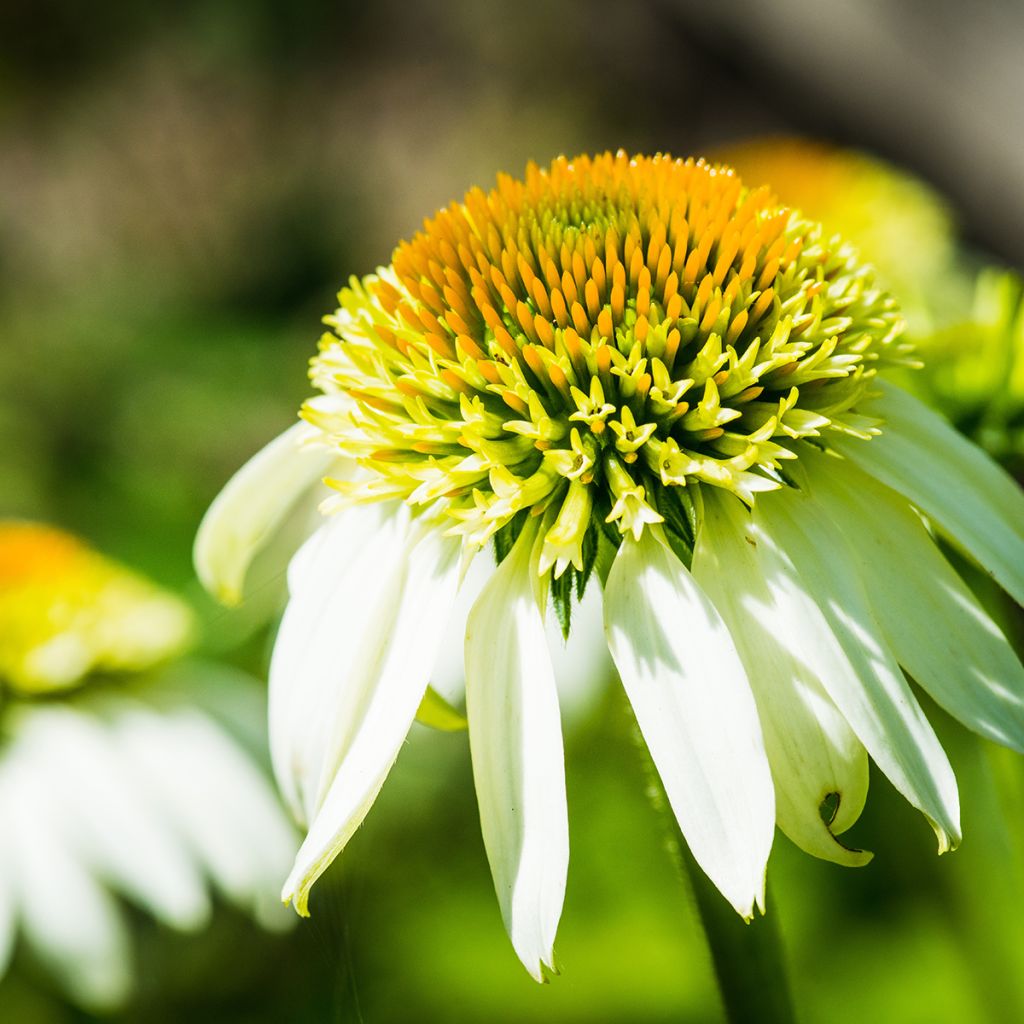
x: 747, y: 958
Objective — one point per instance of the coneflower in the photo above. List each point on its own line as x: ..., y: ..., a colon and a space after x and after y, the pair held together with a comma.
x: 635, y: 374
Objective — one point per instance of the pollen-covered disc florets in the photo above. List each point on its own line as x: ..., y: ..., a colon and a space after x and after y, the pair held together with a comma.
x: 589, y: 342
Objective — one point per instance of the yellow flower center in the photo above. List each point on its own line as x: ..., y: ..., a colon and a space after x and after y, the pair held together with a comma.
x: 589, y: 342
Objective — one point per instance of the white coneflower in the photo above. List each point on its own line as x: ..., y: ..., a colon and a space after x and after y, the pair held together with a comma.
x: 639, y: 367
x: 114, y: 779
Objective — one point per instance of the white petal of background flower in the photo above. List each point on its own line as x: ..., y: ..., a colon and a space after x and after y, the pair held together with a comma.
x: 935, y: 626
x: 975, y: 503
x: 8, y: 891
x: 71, y: 922
x: 694, y: 706
x: 515, y: 737
x: 812, y: 751
x: 217, y: 800
x: 385, y: 672
x: 813, y: 566
x: 253, y: 505
x: 106, y: 818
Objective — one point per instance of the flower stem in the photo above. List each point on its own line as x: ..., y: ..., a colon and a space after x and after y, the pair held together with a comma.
x: 747, y: 958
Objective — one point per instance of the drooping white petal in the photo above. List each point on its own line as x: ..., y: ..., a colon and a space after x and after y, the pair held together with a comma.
x: 581, y: 663
x: 812, y: 751
x: 449, y: 674
x: 695, y: 709
x: 515, y: 738
x: 105, y: 817
x: 951, y: 480
x: 933, y: 623
x: 808, y: 560
x: 72, y: 924
x: 338, y: 581
x: 253, y: 505
x: 383, y: 675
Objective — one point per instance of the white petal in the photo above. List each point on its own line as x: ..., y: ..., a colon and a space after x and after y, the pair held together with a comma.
x: 214, y: 797
x: 383, y: 676
x: 69, y: 920
x: 935, y: 626
x: 811, y: 565
x: 338, y: 581
x: 582, y: 664
x: 8, y: 882
x: 253, y: 505
x: 518, y: 763
x: 952, y: 481
x: 106, y: 818
x: 812, y: 751
x: 449, y: 675
x: 230, y: 697
x: 695, y: 709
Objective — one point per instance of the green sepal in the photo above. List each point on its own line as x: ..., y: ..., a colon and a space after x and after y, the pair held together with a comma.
x: 561, y: 599
x: 506, y: 537
x: 435, y: 712
x: 589, y: 551
x: 677, y: 506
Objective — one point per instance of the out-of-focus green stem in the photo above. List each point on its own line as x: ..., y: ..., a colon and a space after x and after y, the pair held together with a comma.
x: 747, y: 958
x: 1007, y: 772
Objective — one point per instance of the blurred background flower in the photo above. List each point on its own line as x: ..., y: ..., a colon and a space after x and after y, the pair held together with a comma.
x: 182, y: 189
x: 119, y: 774
x: 965, y: 316
x: 898, y: 223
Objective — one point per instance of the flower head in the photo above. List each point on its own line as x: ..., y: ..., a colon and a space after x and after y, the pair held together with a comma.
x: 640, y: 371
x: 128, y: 785
x: 584, y: 344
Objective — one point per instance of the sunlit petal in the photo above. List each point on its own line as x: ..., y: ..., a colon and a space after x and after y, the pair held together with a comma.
x: 378, y: 692
x: 813, y: 753
x: 694, y: 707
x: 253, y: 505
x: 813, y: 567
x: 516, y: 741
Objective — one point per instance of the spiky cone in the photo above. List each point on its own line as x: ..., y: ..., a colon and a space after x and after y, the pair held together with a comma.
x: 641, y: 370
